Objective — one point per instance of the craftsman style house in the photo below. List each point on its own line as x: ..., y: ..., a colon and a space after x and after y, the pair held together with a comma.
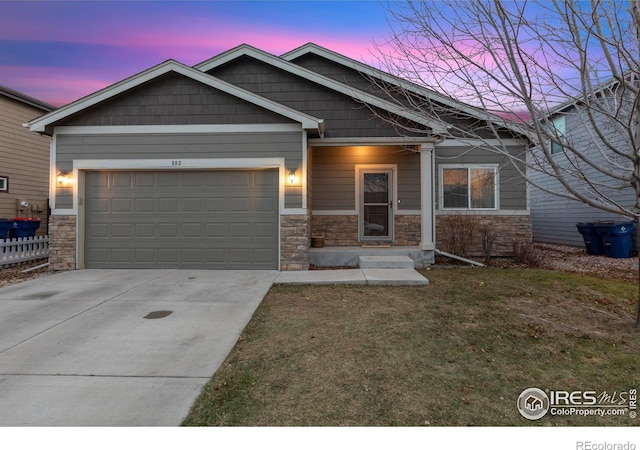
x: 237, y: 161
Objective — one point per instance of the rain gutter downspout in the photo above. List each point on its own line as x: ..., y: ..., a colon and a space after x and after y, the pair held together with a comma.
x: 459, y: 258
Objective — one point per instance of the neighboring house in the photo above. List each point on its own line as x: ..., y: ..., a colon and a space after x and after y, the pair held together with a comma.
x: 554, y: 218
x: 24, y: 159
x: 237, y: 161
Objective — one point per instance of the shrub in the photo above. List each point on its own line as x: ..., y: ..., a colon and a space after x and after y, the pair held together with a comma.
x: 458, y: 231
x: 526, y: 253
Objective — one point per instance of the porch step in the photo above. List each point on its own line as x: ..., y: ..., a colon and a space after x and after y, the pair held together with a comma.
x: 386, y: 262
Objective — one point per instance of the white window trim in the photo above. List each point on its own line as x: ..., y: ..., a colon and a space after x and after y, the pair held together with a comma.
x: 443, y: 167
x: 560, y: 126
x: 4, y: 184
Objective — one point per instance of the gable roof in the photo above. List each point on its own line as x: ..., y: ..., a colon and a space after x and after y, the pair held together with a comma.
x: 436, y: 126
x: 311, y: 48
x: 24, y: 98
x: 308, y: 122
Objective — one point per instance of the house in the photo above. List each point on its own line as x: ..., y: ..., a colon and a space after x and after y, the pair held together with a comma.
x: 533, y: 403
x: 554, y: 217
x: 24, y: 159
x: 237, y: 161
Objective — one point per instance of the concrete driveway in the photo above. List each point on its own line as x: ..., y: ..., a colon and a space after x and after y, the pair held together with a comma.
x: 118, y: 347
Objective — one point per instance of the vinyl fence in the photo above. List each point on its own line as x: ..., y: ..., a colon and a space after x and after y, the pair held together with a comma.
x: 17, y: 250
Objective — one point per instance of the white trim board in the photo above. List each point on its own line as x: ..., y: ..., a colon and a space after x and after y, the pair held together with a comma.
x: 371, y: 71
x: 307, y: 121
x: 178, y: 129
x: 438, y: 127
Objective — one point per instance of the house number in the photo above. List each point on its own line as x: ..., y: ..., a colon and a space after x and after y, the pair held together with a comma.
x: 176, y: 162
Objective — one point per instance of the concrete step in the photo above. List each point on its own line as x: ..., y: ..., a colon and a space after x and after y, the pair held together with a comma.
x: 386, y: 262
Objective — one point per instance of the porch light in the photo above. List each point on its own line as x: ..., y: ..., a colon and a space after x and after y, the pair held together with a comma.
x: 292, y: 176
x: 64, y: 177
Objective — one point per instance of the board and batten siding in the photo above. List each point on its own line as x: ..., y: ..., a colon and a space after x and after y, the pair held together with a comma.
x: 286, y: 145
x: 24, y: 159
x: 554, y: 218
x: 334, y: 175
x: 512, y: 186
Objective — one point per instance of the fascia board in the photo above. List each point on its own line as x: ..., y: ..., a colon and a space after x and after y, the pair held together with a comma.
x: 307, y: 121
x: 404, y: 84
x: 246, y: 50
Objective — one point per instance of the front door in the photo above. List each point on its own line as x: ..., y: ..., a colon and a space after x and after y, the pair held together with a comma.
x: 376, y: 204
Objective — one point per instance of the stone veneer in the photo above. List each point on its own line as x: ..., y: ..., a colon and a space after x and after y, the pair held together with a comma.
x: 295, y: 240
x: 407, y: 230
x: 62, y: 242
x: 295, y: 233
x: 337, y: 230
x: 509, y: 228
x: 341, y: 231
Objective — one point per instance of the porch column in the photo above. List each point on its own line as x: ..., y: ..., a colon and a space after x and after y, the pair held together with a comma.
x: 427, y: 222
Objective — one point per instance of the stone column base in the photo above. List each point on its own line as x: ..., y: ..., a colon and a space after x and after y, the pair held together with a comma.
x: 62, y: 242
x: 295, y: 241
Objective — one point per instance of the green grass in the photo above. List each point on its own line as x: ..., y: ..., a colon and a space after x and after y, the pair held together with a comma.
x: 456, y: 352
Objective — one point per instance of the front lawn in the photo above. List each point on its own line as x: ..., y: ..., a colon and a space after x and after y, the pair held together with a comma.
x: 457, y: 352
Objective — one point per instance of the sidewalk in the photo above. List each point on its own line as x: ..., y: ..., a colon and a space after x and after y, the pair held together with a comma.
x: 388, y: 277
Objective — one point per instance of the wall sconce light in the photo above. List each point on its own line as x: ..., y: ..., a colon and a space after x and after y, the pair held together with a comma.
x: 64, y: 177
x: 292, y: 176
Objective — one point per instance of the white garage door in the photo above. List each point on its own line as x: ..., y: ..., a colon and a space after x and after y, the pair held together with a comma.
x: 217, y: 219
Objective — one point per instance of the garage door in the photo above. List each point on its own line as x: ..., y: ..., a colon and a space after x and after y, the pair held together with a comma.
x: 181, y: 219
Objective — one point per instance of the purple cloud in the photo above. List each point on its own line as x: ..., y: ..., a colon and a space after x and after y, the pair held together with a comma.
x: 61, y: 51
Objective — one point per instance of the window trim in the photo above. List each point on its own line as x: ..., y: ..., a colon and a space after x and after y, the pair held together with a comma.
x: 560, y: 129
x: 4, y: 184
x: 469, y: 167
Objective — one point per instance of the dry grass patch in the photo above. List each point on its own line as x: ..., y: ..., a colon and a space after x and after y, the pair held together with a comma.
x: 456, y: 352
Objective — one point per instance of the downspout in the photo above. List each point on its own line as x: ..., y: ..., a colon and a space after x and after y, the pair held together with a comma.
x: 433, y: 211
x: 459, y: 258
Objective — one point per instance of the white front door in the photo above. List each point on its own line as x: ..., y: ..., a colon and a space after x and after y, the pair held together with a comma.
x: 376, y: 204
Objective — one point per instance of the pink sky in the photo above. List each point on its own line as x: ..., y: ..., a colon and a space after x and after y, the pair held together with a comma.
x: 61, y: 51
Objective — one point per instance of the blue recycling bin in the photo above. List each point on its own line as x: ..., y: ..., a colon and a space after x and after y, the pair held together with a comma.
x: 616, y: 238
x: 23, y: 227
x: 592, y: 240
x: 5, y: 227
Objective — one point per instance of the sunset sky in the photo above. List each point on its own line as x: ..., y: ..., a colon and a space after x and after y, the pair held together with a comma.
x: 59, y: 51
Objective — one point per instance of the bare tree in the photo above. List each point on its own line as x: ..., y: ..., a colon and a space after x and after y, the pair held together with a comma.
x: 535, y: 61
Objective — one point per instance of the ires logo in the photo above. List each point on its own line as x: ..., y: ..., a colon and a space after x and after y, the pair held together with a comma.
x: 574, y: 398
x: 534, y: 403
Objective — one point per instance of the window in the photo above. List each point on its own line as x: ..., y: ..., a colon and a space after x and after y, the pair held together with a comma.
x: 4, y: 184
x: 469, y: 187
x: 559, y: 126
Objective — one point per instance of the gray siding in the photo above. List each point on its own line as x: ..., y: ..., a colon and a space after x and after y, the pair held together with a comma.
x: 391, y: 92
x: 174, y: 99
x: 512, y: 187
x: 335, y: 178
x: 344, y: 117
x: 554, y: 218
x: 176, y: 146
x: 335, y: 71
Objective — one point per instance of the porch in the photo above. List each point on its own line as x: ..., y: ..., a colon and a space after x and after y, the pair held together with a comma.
x: 349, y: 256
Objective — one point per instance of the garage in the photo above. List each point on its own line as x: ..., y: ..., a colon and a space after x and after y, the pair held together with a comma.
x: 209, y: 219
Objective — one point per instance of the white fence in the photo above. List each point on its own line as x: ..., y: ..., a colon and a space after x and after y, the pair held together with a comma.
x: 19, y: 250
